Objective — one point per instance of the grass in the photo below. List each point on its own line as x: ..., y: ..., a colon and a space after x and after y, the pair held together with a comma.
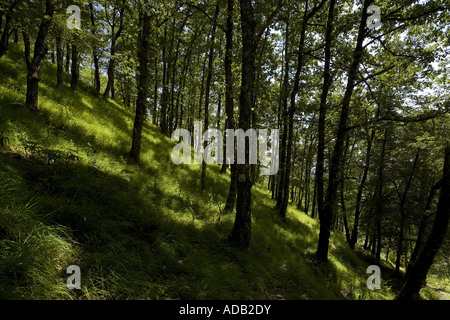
x: 69, y: 197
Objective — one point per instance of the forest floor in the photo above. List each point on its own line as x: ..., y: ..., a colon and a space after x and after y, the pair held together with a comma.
x: 68, y: 197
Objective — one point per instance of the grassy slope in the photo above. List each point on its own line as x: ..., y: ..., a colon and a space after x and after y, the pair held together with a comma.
x: 138, y: 232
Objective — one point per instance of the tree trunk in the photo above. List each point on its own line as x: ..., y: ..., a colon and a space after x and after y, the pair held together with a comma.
x: 322, y: 250
x: 143, y: 85
x: 208, y: 88
x: 319, y: 176
x: 229, y: 103
x: 6, y: 29
x: 32, y: 95
x: 387, y: 250
x: 327, y: 213
x: 40, y: 50
x: 223, y: 168
x: 163, y: 119
x: 97, y: 83
x: 403, y: 216
x: 354, y: 236
x: 110, y: 89
x: 423, y: 224
x: 314, y: 204
x: 336, y: 218
x: 67, y: 67
x: 272, y: 186
x: 59, y: 62
x: 241, y: 233
x: 379, y: 194
x: 417, y: 275
x: 344, y: 212
x: 75, y: 68
x: 180, y: 95
x: 155, y: 95
x: 16, y: 36
x: 302, y: 172
x: 171, y: 63
x: 308, y: 175
x: 374, y: 243
x: 284, y: 136
x: 172, y: 87
x: 368, y: 230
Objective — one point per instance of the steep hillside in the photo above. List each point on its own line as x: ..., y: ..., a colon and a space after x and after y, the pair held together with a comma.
x: 68, y: 197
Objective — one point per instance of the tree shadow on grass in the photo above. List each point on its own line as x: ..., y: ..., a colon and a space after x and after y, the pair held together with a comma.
x: 127, y: 246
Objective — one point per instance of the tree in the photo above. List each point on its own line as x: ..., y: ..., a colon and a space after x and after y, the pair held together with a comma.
x: 403, y: 213
x: 229, y: 102
x: 419, y: 269
x: 75, y: 70
x: 116, y: 24
x: 327, y: 213
x: 284, y: 96
x: 208, y: 86
x: 354, y: 236
x: 59, y: 61
x: 95, y: 55
x: 143, y: 86
x: 423, y: 225
x: 292, y: 108
x: 241, y: 233
x: 40, y: 50
x: 6, y: 33
x: 322, y: 114
x: 67, y: 65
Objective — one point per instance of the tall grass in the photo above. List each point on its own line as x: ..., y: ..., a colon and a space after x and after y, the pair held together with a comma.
x: 32, y: 253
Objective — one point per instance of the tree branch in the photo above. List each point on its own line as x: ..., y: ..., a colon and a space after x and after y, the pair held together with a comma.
x: 315, y: 10
x: 433, y: 10
x: 121, y: 12
x: 382, y: 35
x: 269, y: 20
x: 383, y: 44
x: 403, y: 119
x: 26, y: 41
x: 202, y: 10
x: 374, y: 75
